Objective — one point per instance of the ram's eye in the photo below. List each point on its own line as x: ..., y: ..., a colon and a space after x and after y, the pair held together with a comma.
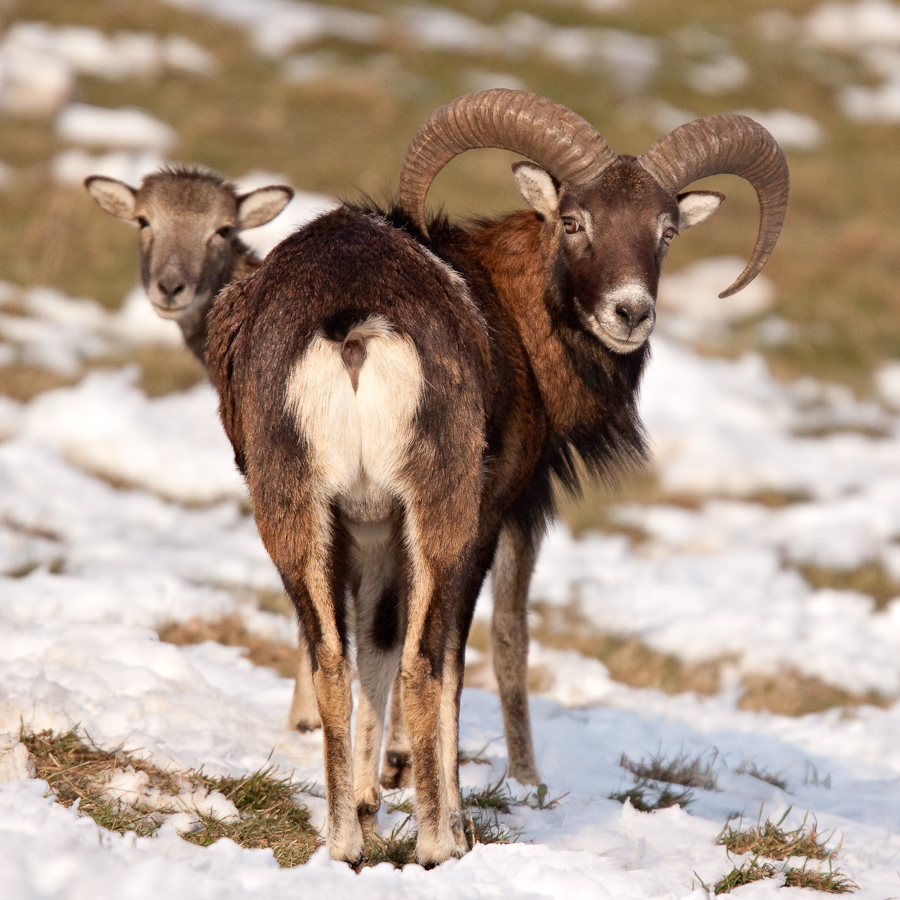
x: 224, y: 232
x: 669, y: 235
x: 142, y: 222
x: 571, y: 225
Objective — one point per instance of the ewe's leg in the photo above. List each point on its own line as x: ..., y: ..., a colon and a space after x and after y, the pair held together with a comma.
x: 511, y: 575
x: 304, y: 714
x: 396, y: 769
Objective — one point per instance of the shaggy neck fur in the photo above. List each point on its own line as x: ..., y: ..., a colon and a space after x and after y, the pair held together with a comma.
x: 193, y: 324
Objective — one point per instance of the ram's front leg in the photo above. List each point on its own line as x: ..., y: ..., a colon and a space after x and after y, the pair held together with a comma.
x: 510, y: 577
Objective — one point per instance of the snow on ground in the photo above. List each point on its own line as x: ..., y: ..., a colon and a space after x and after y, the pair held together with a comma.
x: 119, y: 513
x: 82, y: 123
x: 93, y: 568
x: 39, y: 62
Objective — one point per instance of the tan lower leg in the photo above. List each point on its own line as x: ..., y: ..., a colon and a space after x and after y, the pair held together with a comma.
x: 304, y: 714
x: 396, y: 769
x: 511, y: 575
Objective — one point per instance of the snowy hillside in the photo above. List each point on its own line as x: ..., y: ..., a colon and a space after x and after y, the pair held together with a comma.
x: 121, y: 515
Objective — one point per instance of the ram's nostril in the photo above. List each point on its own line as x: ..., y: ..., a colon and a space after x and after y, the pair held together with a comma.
x: 623, y: 312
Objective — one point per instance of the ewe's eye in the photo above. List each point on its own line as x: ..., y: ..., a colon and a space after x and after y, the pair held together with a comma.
x: 142, y: 222
x: 668, y: 235
x: 224, y: 232
x: 571, y: 225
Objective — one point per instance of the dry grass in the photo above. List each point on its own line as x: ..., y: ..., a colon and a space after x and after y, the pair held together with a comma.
x: 78, y: 771
x: 791, y: 693
x: 653, y: 780
x: 748, y: 767
x: 23, y: 382
x: 687, y: 771
x: 231, y: 631
x: 649, y: 798
x: 871, y: 578
x: 770, y: 841
x: 482, y: 811
x: 165, y: 370
x: 750, y: 871
x: 832, y: 882
x: 629, y: 660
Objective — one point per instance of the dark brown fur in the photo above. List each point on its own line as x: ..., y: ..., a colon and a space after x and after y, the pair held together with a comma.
x: 517, y: 392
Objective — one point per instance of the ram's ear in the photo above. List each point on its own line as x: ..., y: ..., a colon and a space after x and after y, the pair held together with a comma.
x: 695, y: 207
x: 112, y: 195
x: 538, y: 187
x: 262, y: 205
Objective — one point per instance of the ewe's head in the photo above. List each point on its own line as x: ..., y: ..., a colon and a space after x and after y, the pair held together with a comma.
x: 608, y: 219
x: 188, y: 220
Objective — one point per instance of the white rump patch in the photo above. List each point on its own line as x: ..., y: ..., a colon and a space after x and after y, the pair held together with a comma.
x: 358, y: 439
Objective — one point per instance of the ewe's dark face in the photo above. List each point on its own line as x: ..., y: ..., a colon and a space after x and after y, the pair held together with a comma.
x: 613, y: 235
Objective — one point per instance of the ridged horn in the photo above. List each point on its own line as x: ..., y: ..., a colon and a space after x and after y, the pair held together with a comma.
x: 727, y: 145
x: 566, y: 145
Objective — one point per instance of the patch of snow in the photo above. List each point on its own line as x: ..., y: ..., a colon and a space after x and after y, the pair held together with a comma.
x: 39, y: 62
x: 720, y: 75
x: 887, y: 383
x: 173, y: 445
x: 878, y: 104
x: 15, y: 760
x: 278, y: 25
x: 81, y: 123
x: 136, y: 323
x: 33, y: 81
x: 440, y: 28
x: 689, y: 302
x: 849, y: 26
x: 73, y: 166
x: 794, y: 131
x: 179, y: 52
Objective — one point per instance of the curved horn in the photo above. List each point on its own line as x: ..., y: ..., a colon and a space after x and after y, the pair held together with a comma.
x: 566, y: 145
x: 727, y: 145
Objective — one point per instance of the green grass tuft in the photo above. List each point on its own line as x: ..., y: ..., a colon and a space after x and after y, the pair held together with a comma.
x: 770, y: 841
x: 691, y: 772
x: 749, y: 872
x: 773, y: 842
x: 641, y: 797
x: 79, y: 771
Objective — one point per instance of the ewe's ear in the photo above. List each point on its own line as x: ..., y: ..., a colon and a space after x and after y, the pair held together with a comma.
x: 697, y: 206
x: 262, y: 205
x: 112, y: 195
x: 538, y: 188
